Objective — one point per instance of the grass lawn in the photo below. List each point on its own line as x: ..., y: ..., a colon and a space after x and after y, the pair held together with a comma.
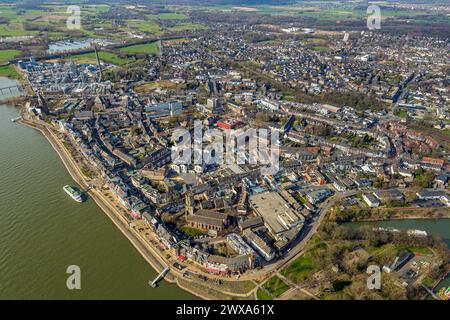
x: 414, y: 249
x: 144, y: 26
x: 401, y: 113
x: 148, y: 48
x: 398, y: 204
x: 320, y: 48
x: 6, y: 55
x: 105, y: 56
x: 8, y: 71
x: 242, y: 287
x: 263, y: 295
x: 191, y: 232
x: 276, y: 286
x: 315, y: 41
x: 300, y: 268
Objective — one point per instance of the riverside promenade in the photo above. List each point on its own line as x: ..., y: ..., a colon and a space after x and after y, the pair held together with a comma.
x: 142, y: 245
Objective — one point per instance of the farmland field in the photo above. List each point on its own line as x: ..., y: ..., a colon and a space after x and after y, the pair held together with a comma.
x: 105, y: 56
x: 168, y: 16
x: 144, y: 26
x: 148, y: 48
x: 6, y: 55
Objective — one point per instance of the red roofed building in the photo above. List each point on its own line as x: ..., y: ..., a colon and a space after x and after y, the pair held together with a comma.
x: 433, y: 161
x: 227, y: 124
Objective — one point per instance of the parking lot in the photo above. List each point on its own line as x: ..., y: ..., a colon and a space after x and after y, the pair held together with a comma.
x: 415, y: 269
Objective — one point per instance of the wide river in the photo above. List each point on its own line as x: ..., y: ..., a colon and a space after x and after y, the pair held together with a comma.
x: 43, y: 231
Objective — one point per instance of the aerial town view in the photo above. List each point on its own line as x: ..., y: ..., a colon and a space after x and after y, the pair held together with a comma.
x: 225, y: 150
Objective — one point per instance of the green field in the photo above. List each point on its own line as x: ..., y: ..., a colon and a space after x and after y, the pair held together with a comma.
x: 275, y: 286
x: 148, y: 48
x: 8, y: 71
x: 303, y: 266
x: 414, y: 249
x: 261, y: 294
x: 144, y: 26
x: 105, y: 56
x: 299, y: 269
x: 320, y: 48
x: 167, y: 16
x: 6, y: 55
